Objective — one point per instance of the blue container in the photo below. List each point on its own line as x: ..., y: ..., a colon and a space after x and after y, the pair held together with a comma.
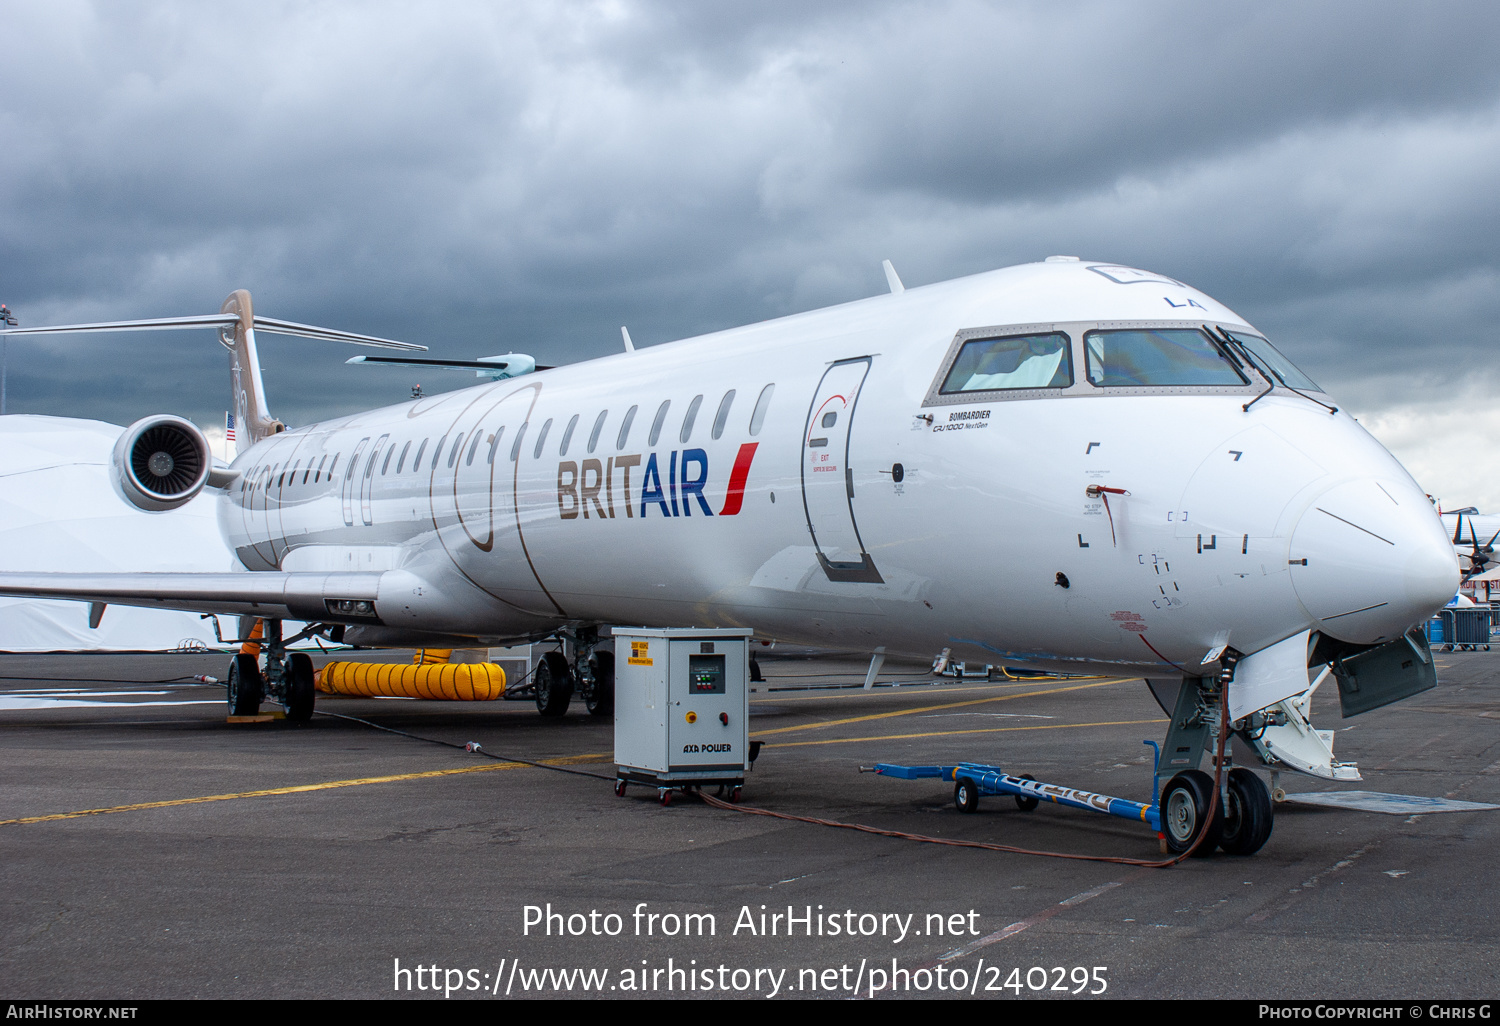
x: 1435, y: 631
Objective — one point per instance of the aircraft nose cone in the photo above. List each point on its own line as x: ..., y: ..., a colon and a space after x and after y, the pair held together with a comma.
x: 1370, y: 559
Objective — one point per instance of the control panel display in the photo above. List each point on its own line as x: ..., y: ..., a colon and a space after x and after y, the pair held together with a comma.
x: 706, y: 674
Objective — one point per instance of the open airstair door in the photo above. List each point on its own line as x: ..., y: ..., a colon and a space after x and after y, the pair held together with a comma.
x: 828, y: 477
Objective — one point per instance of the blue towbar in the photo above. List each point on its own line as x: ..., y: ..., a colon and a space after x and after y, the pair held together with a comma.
x: 971, y: 780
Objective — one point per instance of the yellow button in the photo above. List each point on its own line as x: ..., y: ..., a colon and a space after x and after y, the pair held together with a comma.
x: 692, y: 717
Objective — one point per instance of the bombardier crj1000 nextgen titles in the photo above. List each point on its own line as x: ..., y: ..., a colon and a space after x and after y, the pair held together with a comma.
x: 1068, y: 465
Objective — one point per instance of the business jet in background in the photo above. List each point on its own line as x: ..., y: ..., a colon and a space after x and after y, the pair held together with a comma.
x: 1071, y: 465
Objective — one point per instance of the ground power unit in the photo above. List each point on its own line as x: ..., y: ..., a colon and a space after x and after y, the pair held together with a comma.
x: 682, y: 708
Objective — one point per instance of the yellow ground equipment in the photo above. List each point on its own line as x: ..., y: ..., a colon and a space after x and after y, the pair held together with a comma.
x: 454, y: 682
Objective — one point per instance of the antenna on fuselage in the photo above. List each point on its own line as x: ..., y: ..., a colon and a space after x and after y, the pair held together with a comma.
x: 892, y: 278
x: 625, y: 334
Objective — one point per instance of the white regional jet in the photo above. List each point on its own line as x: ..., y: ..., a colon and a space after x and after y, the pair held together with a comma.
x: 1071, y: 465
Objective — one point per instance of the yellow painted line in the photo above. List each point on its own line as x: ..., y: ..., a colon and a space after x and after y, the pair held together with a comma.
x: 301, y: 788
x: 950, y: 733
x: 929, y: 708
x: 887, y: 691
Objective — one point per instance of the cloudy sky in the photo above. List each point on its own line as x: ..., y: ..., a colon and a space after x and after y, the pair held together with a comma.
x: 490, y: 177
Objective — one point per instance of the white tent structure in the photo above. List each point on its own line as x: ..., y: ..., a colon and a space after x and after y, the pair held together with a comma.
x: 60, y: 510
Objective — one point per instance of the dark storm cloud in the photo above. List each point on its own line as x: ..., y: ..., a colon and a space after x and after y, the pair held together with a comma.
x: 481, y: 178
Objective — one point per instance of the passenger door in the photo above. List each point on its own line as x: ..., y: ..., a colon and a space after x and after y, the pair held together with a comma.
x: 828, y: 477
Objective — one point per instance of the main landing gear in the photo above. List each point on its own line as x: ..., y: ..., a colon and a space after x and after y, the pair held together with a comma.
x: 287, y: 679
x: 590, y: 675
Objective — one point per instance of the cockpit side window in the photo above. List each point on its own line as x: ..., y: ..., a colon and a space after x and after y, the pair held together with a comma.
x: 1014, y: 361
x: 1270, y: 357
x: 1156, y: 356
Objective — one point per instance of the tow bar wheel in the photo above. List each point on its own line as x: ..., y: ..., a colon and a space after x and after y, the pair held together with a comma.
x: 1184, y: 804
x: 965, y: 795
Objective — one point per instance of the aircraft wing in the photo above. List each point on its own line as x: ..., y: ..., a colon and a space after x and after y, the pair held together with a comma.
x: 329, y: 597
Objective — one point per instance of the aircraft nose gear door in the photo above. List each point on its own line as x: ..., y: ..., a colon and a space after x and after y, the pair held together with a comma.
x: 827, y: 478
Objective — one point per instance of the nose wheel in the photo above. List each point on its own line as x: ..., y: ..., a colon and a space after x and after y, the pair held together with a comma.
x: 1184, y: 809
x: 1248, y: 818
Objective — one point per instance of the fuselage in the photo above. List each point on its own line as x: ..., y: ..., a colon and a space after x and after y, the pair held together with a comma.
x: 815, y: 478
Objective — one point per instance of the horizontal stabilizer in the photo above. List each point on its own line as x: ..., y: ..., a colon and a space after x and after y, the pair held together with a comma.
x: 267, y: 325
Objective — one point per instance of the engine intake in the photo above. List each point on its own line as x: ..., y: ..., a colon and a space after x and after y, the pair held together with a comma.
x: 162, y: 462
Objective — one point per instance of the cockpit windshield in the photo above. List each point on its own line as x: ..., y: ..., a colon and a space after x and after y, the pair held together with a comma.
x: 1270, y: 358
x: 1017, y: 361
x: 1156, y: 356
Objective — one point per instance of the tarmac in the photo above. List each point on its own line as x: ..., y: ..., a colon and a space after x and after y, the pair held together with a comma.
x: 152, y: 850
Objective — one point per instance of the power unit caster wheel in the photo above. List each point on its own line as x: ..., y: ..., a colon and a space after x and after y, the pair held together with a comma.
x: 554, y: 685
x: 965, y: 795
x: 666, y: 798
x: 301, y: 695
x: 1030, y: 802
x: 1248, y: 820
x: 1184, y: 805
x: 619, y: 789
x: 734, y: 795
x: 244, y: 687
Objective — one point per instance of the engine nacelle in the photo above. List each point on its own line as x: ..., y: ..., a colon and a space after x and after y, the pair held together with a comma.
x: 162, y: 462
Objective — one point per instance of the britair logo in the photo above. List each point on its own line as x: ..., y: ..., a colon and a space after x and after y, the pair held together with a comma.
x: 672, y: 483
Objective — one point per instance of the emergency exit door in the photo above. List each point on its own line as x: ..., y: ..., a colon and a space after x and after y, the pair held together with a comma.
x: 828, y: 476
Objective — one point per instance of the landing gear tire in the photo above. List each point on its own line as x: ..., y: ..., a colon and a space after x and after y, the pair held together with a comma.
x: 1184, y: 804
x: 600, y: 700
x: 244, y: 687
x: 1248, y: 819
x: 965, y: 795
x: 554, y: 685
x: 301, y: 695
x: 1027, y: 804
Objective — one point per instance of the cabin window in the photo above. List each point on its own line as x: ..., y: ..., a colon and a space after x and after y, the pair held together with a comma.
x: 625, y: 427
x: 598, y: 427
x: 515, y: 449
x: 437, y: 452
x: 661, y: 418
x: 758, y: 417
x: 495, y: 443
x: 1015, y: 361
x: 1269, y: 357
x: 473, y: 448
x: 402, y: 461
x: 568, y: 435
x: 385, y: 468
x: 416, y: 461
x: 687, y: 421
x: 1156, y: 356
x: 319, y: 475
x: 722, y: 416
x: 541, y: 439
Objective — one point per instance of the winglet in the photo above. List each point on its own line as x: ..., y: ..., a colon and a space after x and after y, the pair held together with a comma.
x: 629, y: 345
x: 892, y: 278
